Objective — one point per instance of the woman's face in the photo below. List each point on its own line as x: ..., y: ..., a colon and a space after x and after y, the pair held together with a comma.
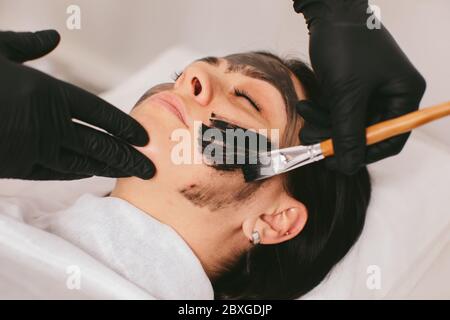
x: 210, y: 86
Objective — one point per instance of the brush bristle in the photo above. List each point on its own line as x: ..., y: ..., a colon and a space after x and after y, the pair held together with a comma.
x: 262, y: 170
x: 251, y: 172
x: 230, y: 155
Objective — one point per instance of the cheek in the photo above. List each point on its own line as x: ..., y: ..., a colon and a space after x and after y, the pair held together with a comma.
x: 160, y: 127
x: 172, y: 155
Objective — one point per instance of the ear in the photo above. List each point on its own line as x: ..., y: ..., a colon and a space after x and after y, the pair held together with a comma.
x: 285, y: 223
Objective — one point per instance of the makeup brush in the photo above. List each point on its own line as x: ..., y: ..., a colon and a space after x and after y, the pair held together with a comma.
x: 280, y: 161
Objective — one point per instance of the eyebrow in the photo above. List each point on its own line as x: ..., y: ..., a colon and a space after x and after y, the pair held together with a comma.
x: 210, y: 60
x: 246, y: 70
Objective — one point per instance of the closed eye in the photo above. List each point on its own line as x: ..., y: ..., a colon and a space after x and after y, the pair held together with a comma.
x: 245, y: 95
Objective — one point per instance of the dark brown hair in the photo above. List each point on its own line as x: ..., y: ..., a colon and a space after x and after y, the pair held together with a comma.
x: 336, y: 205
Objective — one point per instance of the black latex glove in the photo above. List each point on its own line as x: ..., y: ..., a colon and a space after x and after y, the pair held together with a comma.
x: 365, y: 78
x: 39, y: 140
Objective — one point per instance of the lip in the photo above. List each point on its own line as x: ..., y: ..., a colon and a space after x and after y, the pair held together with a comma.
x: 172, y: 103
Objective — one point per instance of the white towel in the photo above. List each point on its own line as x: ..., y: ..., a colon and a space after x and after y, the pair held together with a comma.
x: 121, y: 252
x: 135, y: 245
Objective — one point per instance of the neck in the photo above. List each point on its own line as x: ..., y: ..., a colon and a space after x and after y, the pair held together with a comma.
x: 212, y: 237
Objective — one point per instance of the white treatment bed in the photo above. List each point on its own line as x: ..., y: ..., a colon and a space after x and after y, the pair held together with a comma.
x: 404, y: 251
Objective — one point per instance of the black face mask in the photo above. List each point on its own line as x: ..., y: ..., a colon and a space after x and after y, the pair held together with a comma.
x: 228, y: 147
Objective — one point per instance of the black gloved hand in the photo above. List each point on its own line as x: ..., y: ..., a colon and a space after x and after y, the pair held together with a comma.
x: 365, y: 79
x: 39, y: 140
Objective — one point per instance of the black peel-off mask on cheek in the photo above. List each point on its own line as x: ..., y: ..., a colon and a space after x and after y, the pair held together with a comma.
x: 228, y: 147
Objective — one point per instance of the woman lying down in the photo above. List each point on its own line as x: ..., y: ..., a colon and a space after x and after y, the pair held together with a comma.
x: 202, y: 228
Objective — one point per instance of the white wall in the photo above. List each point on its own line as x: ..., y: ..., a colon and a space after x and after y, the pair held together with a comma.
x: 118, y: 37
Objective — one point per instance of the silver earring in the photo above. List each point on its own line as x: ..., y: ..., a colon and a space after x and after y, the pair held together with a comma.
x: 256, y: 238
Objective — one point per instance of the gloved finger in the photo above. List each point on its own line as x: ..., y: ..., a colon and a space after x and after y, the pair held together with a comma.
x: 387, y: 148
x: 403, y: 95
x: 313, y: 114
x: 95, y: 111
x: 41, y: 173
x: 311, y: 134
x: 348, y: 115
x: 400, y: 96
x: 25, y: 46
x: 112, y: 151
x: 73, y: 163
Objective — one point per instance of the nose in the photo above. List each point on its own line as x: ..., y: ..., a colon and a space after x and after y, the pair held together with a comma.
x: 196, y: 84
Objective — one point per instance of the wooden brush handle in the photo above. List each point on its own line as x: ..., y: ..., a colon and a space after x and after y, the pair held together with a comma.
x: 394, y: 127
